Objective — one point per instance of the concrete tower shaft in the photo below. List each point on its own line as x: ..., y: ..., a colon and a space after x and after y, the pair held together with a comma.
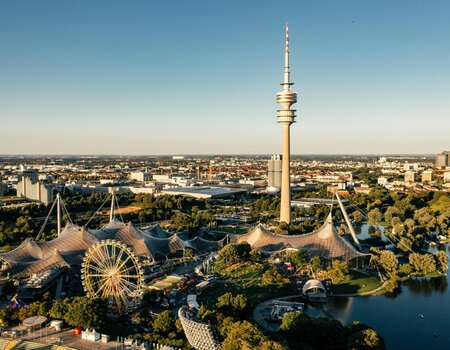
x: 286, y: 116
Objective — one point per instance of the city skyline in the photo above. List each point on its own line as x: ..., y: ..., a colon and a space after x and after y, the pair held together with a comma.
x: 199, y: 78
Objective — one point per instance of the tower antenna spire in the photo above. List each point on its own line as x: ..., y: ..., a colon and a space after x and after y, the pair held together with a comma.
x: 286, y: 82
x: 286, y: 60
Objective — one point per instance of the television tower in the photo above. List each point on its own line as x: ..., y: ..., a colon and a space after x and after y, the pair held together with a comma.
x: 286, y: 116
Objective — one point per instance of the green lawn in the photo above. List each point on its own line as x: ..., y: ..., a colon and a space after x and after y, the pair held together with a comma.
x: 357, y: 283
x: 246, y: 280
x: 434, y: 274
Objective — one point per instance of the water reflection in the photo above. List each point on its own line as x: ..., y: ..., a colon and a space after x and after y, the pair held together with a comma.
x: 416, y: 317
x: 363, y: 232
x: 427, y: 286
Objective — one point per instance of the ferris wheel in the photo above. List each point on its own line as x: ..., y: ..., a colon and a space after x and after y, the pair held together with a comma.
x: 111, y: 271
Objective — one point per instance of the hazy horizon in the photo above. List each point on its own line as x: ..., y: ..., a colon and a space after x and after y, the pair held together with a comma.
x: 177, y: 77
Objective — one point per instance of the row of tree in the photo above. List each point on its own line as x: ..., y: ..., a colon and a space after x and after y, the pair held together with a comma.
x: 84, y: 312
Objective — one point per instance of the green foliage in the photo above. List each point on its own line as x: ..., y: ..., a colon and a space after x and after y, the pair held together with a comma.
x: 36, y: 308
x: 8, y: 316
x: 405, y: 270
x: 230, y: 305
x: 303, y: 332
x: 316, y: 263
x: 362, y: 337
x: 243, y: 335
x: 357, y: 217
x: 441, y: 261
x: 392, y: 283
x: 59, y: 309
x: 166, y: 331
x: 338, y: 272
x: 273, y: 277
x: 300, y: 257
x: 206, y: 315
x: 164, y: 323
x: 86, y: 312
x: 423, y: 264
x: 375, y: 216
x: 256, y: 255
x: 233, y: 254
x: 387, y: 260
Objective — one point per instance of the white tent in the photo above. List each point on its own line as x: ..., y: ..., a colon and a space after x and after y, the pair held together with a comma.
x: 90, y: 335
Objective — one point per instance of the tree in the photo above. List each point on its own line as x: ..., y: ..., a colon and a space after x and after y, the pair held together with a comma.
x: 273, y: 277
x: 338, y: 272
x: 243, y: 335
x: 343, y: 229
x: 36, y: 308
x: 409, y: 223
x: 206, y: 314
x: 423, y: 263
x: 8, y: 315
x: 387, y: 260
x: 405, y: 270
x: 389, y: 214
x: 59, y: 309
x: 357, y: 216
x: 318, y: 333
x: 232, y: 306
x: 362, y: 337
x: 233, y: 253
x: 441, y: 261
x: 300, y: 257
x: 316, y: 263
x: 164, y: 323
x: 256, y: 255
x: 375, y: 216
x: 86, y: 312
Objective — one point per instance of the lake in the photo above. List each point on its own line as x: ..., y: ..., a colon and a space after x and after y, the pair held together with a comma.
x: 397, y: 317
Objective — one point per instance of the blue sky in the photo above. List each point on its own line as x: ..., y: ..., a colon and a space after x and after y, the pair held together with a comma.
x: 181, y: 77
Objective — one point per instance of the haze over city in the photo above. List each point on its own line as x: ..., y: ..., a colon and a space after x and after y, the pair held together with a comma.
x: 199, y: 77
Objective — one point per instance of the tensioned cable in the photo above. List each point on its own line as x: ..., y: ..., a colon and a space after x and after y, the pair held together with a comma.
x: 378, y: 224
x: 101, y: 207
x: 45, y: 221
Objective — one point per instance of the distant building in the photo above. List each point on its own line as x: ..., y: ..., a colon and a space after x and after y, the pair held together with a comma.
x: 447, y: 177
x: 362, y: 189
x: 30, y: 174
x: 255, y: 182
x: 162, y: 178
x: 427, y: 176
x: 140, y: 176
x: 145, y: 190
x: 442, y: 159
x: 205, y: 192
x: 34, y: 190
x: 274, y: 173
x: 410, y: 176
x: 410, y: 166
x: 382, y: 181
